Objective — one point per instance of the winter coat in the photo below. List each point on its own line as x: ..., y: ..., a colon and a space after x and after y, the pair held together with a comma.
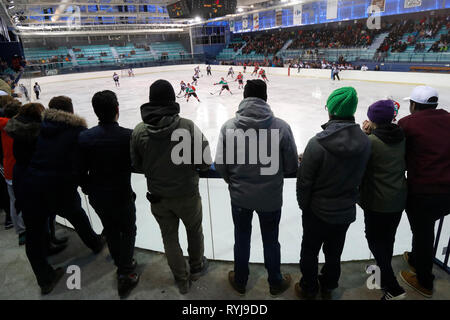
x: 7, y: 146
x: 55, y: 164
x: 331, y: 170
x: 427, y: 151
x: 253, y: 185
x: 106, y: 162
x: 383, y: 188
x: 151, y: 151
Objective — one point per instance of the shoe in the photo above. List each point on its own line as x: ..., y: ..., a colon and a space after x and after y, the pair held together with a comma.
x: 302, y: 294
x: 127, y: 283
x: 61, y: 240
x: 275, y: 291
x: 406, y: 256
x: 238, y: 288
x: 184, y: 286
x: 411, y: 280
x: 133, y: 266
x: 54, y: 249
x: 325, y: 292
x: 197, y: 273
x: 100, y: 245
x: 22, y: 238
x: 49, y: 288
x: 397, y: 294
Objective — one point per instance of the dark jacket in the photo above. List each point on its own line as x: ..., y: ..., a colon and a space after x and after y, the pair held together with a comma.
x: 105, y: 160
x: 256, y: 185
x: 331, y: 170
x: 56, y: 162
x: 427, y: 151
x: 383, y: 188
x: 151, y: 151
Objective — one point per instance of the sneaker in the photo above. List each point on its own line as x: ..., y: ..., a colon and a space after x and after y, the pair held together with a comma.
x: 22, y: 239
x: 133, y: 266
x: 411, y: 280
x: 406, y: 256
x: 126, y: 284
x: 184, y: 286
x: 397, y: 294
x: 238, y: 288
x: 59, y: 273
x: 325, y: 292
x: 197, y: 273
x: 302, y: 294
x: 282, y: 287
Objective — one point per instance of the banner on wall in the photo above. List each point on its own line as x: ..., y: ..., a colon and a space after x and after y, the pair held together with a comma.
x: 413, y: 3
x: 332, y: 6
x: 255, y: 21
x: 379, y: 3
x: 231, y: 23
x: 279, y: 17
x: 244, y: 22
x: 297, y: 14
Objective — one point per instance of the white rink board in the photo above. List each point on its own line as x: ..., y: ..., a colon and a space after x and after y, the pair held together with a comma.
x: 298, y: 99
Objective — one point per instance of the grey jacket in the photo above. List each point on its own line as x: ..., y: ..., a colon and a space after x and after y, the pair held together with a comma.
x: 331, y: 170
x: 256, y: 182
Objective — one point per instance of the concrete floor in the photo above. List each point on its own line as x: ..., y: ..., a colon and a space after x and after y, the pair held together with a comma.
x: 98, y: 276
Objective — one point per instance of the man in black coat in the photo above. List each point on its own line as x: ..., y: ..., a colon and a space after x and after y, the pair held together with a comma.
x: 106, y: 165
x: 51, y: 185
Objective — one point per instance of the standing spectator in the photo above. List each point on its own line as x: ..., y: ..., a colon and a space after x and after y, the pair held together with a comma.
x: 330, y: 172
x: 428, y: 165
x: 383, y: 191
x: 10, y: 110
x: 50, y: 187
x: 172, y: 186
x: 37, y: 90
x: 252, y: 187
x: 107, y: 165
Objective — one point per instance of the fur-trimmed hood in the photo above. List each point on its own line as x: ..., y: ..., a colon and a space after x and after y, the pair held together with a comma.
x: 57, y: 121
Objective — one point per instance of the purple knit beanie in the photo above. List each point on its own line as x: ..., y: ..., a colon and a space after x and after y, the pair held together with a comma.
x: 381, y: 112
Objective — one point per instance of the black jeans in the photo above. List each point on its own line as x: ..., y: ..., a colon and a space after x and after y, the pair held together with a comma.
x: 67, y: 203
x: 380, y: 234
x: 315, y: 234
x: 423, y: 210
x: 269, y: 223
x: 119, y: 226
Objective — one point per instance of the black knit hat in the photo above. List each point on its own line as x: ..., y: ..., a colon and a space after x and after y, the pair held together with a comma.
x: 256, y: 88
x: 162, y: 91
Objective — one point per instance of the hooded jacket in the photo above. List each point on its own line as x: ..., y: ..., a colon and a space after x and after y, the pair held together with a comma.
x: 56, y: 161
x: 331, y: 170
x: 383, y: 188
x: 152, y: 148
x: 7, y: 147
x: 253, y: 184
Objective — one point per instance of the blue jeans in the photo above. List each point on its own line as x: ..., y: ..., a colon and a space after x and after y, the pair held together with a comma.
x: 269, y: 223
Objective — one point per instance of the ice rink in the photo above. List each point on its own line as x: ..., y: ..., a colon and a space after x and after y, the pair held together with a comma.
x: 298, y: 99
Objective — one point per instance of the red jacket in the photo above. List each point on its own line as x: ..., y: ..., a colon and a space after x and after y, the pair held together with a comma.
x: 7, y: 144
x: 427, y: 151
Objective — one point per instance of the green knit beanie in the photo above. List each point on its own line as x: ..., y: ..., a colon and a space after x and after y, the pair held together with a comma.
x: 342, y: 102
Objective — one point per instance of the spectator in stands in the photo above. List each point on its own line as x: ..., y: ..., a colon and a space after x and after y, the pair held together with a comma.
x: 50, y: 185
x: 383, y: 191
x: 253, y: 186
x: 331, y: 170
x: 172, y: 188
x: 106, y: 164
x: 427, y: 162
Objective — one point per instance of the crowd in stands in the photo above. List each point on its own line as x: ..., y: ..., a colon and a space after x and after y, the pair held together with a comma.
x: 440, y: 45
x: 236, y: 46
x: 266, y: 44
x: 49, y: 153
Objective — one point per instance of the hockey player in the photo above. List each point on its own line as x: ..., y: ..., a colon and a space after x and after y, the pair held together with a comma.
x: 230, y: 72
x: 208, y: 70
x: 240, y: 80
x: 190, y: 91
x: 182, y: 88
x: 116, y: 79
x: 245, y: 67
x: 224, y: 86
x: 194, y: 79
x: 255, y: 71
x: 262, y: 73
x: 130, y: 72
x: 335, y: 73
x: 37, y: 90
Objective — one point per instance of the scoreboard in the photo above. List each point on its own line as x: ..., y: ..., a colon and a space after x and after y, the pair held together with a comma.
x: 201, y: 8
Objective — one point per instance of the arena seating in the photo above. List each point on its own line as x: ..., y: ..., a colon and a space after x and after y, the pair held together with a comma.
x: 38, y: 55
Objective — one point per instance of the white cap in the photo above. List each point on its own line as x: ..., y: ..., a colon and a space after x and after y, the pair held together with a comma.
x: 3, y: 93
x: 422, y: 94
